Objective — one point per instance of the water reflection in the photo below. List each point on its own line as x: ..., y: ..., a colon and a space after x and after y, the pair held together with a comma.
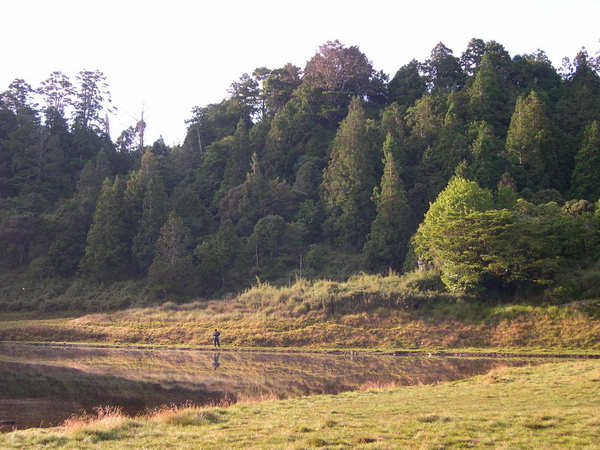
x: 42, y: 386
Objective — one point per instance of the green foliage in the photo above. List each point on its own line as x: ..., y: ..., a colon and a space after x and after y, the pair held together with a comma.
x: 306, y: 146
x: 390, y: 231
x: 106, y: 255
x: 585, y: 179
x: 477, y: 247
x: 349, y: 179
x: 172, y: 270
x: 527, y: 135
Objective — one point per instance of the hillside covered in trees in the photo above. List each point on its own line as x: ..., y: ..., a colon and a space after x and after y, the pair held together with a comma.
x: 483, y: 166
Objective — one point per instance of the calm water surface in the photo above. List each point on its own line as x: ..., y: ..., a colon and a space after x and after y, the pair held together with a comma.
x: 43, y: 386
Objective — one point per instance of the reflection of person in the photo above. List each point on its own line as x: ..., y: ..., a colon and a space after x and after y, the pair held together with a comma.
x: 216, y: 360
x: 216, y: 340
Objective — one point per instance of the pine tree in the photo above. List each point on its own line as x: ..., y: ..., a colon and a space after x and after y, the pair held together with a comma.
x: 349, y: 180
x: 387, y: 242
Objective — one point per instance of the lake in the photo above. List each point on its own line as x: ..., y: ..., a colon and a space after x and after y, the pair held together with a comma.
x: 41, y: 386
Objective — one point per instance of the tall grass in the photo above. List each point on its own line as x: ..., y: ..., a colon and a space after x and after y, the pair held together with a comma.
x: 411, y: 311
x: 360, y: 293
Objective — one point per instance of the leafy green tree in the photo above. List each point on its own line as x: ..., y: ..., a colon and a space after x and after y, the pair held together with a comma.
x: 18, y: 98
x: 472, y: 56
x: 461, y: 197
x: 387, y: 242
x: 17, y: 232
x: 496, y: 248
x: 243, y: 204
x: 585, y: 179
x: 295, y: 132
x: 349, y: 179
x: 245, y: 94
x: 172, y: 269
x: 443, y: 70
x: 408, y: 85
x: 266, y: 237
x: 441, y: 160
x: 340, y: 72
x: 279, y: 86
x: 478, y: 247
x: 73, y: 219
x: 106, y: 256
x: 308, y: 179
x: 394, y: 125
x: 91, y: 98
x: 57, y: 92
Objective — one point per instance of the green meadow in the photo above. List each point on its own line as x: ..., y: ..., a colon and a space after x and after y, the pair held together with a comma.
x: 553, y: 406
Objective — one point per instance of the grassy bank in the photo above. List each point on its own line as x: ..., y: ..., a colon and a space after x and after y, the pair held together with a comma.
x: 392, y: 312
x: 550, y: 406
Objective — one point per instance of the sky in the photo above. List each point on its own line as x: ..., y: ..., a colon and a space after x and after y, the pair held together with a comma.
x: 165, y: 57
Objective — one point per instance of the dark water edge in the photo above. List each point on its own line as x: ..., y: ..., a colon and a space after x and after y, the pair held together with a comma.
x: 41, y: 386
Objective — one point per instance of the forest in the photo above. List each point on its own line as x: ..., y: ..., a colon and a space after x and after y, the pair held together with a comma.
x: 483, y: 167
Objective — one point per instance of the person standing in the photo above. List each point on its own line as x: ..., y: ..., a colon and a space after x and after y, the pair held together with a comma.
x: 216, y: 340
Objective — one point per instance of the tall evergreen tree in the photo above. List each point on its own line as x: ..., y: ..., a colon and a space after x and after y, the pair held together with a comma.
x: 585, y: 180
x: 172, y: 270
x: 527, y: 135
x: 222, y: 261
x: 486, y: 166
x: 154, y: 215
x: 349, y: 180
x: 387, y: 242
x: 107, y: 253
x: 489, y: 96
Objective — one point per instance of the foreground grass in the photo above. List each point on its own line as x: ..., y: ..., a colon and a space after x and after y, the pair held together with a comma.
x: 551, y: 406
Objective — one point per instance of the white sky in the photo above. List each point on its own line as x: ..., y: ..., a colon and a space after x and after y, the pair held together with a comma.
x: 168, y: 56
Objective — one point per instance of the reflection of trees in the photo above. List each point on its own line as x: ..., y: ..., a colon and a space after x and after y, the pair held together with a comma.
x: 248, y: 373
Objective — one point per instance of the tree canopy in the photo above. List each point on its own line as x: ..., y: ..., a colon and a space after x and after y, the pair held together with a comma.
x: 481, y: 164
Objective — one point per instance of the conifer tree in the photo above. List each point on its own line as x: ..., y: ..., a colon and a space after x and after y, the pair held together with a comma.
x: 388, y: 239
x: 106, y: 253
x: 172, y: 269
x: 239, y: 160
x: 527, y: 135
x: 486, y: 165
x: 222, y: 261
x: 489, y: 95
x: 585, y: 180
x: 349, y: 180
x: 154, y: 215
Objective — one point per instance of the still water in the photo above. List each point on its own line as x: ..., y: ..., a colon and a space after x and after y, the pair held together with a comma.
x: 41, y: 386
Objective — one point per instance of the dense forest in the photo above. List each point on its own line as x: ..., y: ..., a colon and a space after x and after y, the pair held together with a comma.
x: 483, y: 166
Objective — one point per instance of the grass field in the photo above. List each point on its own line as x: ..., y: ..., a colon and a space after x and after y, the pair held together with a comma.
x: 553, y: 406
